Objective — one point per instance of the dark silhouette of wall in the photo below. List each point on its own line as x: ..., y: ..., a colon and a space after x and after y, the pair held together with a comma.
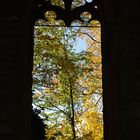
x: 15, y: 69
x: 121, y: 67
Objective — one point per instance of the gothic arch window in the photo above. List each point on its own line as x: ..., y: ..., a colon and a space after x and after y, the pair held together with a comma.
x: 67, y: 73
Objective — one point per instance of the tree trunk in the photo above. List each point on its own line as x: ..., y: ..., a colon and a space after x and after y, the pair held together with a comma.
x: 72, y: 112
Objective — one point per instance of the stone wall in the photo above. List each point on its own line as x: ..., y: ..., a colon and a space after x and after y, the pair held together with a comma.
x: 15, y: 69
x: 121, y: 67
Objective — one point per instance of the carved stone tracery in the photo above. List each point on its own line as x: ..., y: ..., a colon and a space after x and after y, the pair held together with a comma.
x: 68, y: 13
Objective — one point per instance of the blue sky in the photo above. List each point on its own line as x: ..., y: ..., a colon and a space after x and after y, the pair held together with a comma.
x: 80, y: 45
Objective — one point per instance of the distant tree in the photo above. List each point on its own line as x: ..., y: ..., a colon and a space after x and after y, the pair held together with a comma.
x: 38, y: 127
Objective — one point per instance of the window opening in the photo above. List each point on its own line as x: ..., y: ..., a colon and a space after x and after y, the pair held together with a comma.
x: 67, y: 75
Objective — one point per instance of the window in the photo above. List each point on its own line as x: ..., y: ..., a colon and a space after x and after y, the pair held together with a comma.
x: 67, y: 74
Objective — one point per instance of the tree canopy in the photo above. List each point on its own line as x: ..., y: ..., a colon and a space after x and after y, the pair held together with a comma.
x: 67, y: 81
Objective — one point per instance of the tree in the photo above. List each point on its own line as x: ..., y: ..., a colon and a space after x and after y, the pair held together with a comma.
x: 38, y: 127
x: 66, y: 83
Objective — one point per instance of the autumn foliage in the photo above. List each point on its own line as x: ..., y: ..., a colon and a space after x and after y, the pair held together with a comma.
x: 67, y: 81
